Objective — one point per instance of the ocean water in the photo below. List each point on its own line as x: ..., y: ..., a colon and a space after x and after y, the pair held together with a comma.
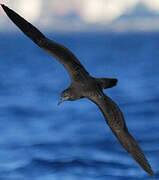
x: 42, y: 141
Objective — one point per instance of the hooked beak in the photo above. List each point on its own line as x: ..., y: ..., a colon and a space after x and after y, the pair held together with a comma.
x: 62, y: 99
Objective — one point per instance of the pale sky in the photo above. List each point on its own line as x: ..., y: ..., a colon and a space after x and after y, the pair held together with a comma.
x: 89, y: 11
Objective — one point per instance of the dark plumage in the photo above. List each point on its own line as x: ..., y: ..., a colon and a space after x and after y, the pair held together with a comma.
x: 84, y: 85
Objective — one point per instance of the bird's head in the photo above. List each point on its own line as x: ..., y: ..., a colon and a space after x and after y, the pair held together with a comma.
x: 66, y: 95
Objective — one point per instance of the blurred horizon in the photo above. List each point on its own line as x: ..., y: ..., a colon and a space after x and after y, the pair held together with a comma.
x: 90, y: 15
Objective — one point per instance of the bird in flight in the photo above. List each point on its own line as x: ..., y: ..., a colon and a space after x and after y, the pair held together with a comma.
x: 83, y: 85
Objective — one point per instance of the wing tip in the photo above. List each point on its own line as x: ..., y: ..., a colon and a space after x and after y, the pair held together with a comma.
x: 3, y: 5
x: 151, y: 173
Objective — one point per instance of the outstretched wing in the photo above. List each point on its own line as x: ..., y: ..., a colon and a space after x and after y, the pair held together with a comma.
x: 64, y: 55
x: 116, y: 122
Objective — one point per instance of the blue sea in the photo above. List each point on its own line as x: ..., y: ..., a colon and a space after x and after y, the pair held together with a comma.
x: 42, y: 141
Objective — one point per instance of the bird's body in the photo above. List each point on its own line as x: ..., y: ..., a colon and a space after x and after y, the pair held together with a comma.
x: 83, y: 85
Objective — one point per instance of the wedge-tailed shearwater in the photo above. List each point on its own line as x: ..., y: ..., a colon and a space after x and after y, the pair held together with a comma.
x: 85, y: 86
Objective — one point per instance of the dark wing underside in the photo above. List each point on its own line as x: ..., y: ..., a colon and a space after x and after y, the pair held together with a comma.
x: 116, y: 122
x: 65, y: 56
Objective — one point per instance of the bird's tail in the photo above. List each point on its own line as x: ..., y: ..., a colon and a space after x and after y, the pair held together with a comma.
x: 131, y: 146
x: 107, y: 82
